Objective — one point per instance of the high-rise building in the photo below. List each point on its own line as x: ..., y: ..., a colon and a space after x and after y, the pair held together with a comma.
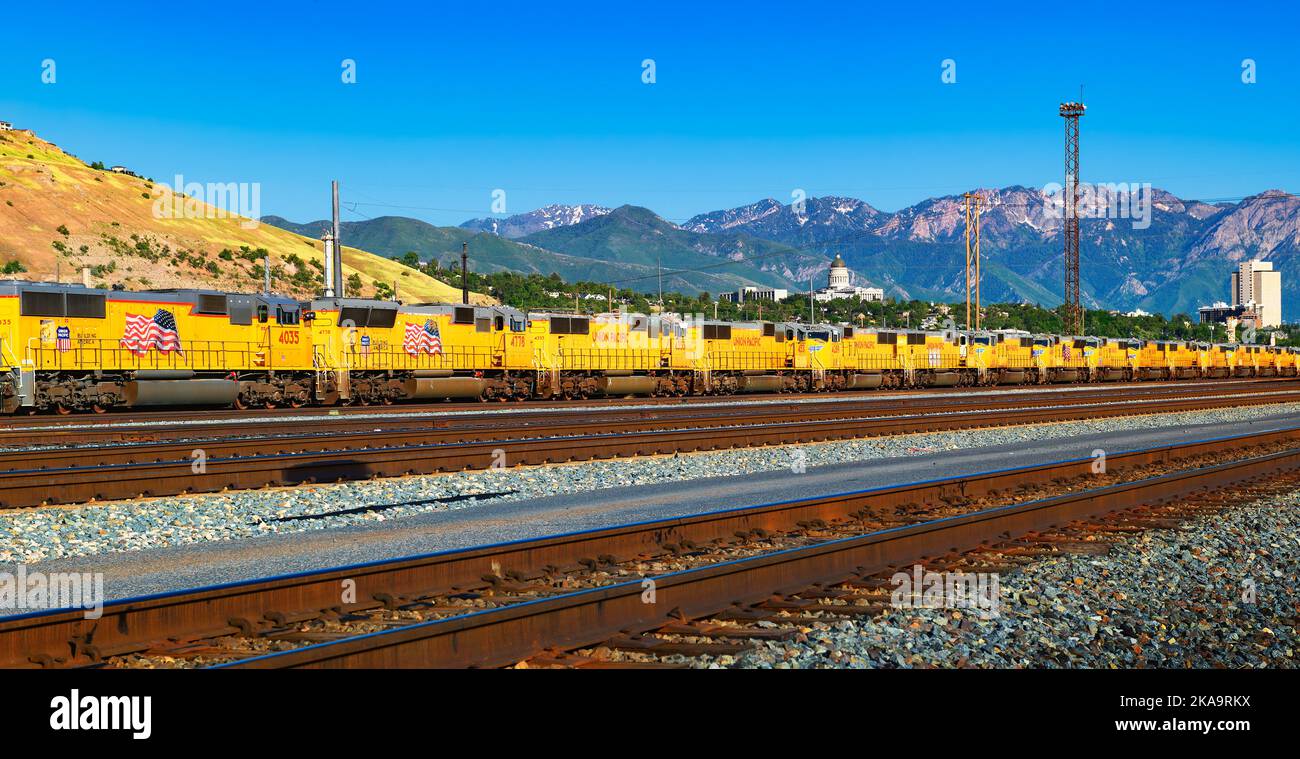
x: 1258, y: 285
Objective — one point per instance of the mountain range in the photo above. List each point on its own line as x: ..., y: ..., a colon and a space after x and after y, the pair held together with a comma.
x: 547, y: 217
x: 1178, y: 261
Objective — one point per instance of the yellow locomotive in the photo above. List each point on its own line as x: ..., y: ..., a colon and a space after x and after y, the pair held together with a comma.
x: 74, y: 348
x: 70, y: 348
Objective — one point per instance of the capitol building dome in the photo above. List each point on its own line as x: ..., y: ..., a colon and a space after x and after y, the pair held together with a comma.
x: 839, y: 284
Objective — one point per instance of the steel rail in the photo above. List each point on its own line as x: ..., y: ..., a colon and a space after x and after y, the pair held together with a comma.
x: 508, y: 634
x: 247, y: 464
x: 53, y: 431
x: 67, y: 638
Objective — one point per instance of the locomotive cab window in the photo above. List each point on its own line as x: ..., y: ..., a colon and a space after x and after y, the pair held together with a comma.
x: 286, y: 316
x: 499, y: 323
x: 262, y: 314
x: 462, y: 315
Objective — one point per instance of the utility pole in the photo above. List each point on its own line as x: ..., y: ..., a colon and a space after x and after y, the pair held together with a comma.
x: 464, y: 273
x: 659, y: 263
x: 811, y: 315
x: 338, y: 241
x: 266, y: 274
x: 1073, y: 308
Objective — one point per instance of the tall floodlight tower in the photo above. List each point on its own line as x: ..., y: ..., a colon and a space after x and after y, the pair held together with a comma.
x: 1073, y: 307
x: 973, y: 203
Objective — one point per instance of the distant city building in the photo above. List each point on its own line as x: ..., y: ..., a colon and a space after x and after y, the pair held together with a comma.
x: 5, y: 126
x: 756, y: 293
x: 122, y: 170
x: 839, y: 285
x: 1137, y: 312
x: 1258, y: 286
x: 1220, y: 313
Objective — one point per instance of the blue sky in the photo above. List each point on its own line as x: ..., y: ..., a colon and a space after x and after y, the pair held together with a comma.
x: 751, y: 100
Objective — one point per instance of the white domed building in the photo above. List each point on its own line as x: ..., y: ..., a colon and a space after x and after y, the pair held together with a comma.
x: 839, y: 284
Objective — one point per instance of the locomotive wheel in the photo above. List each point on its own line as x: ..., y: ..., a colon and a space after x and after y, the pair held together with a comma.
x: 62, y: 410
x: 98, y: 409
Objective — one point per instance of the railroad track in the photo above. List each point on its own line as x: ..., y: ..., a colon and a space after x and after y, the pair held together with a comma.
x: 537, y: 599
x: 81, y: 475
x: 216, y: 423
x: 465, y: 427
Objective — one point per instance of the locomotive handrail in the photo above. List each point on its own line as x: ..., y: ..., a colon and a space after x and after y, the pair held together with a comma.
x: 86, y: 354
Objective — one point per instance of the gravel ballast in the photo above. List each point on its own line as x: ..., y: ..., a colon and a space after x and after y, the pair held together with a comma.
x: 1217, y: 591
x: 32, y: 535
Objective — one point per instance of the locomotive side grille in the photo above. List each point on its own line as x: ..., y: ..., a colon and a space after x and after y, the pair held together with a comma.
x: 208, y: 304
x: 86, y: 305
x: 36, y: 303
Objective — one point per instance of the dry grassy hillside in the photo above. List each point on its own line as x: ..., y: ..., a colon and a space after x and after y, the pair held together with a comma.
x: 59, y: 216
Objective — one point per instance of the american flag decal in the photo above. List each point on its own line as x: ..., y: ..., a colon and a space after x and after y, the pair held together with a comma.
x: 1065, y: 351
x: 64, y: 339
x: 143, y: 333
x: 422, y: 339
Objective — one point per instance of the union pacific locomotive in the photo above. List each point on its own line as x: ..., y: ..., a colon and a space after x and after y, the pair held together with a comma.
x: 70, y: 348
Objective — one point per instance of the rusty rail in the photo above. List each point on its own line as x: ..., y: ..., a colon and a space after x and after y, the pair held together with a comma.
x: 508, y: 634
x: 706, y: 411
x: 163, y: 469
x: 66, y: 638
